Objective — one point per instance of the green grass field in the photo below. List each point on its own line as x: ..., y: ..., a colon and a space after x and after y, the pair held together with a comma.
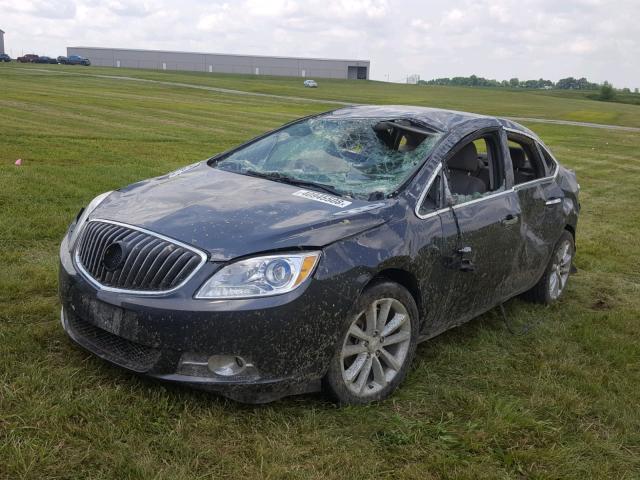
x: 560, y: 402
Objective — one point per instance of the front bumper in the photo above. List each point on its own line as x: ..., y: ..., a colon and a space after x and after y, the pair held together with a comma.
x: 288, y: 340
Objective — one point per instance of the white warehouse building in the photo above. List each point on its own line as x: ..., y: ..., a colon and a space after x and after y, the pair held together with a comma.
x: 225, y: 63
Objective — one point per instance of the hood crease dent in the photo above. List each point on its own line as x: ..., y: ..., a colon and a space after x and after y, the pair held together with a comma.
x: 230, y: 215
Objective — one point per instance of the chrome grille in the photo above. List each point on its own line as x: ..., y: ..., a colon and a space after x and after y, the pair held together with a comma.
x: 143, y: 261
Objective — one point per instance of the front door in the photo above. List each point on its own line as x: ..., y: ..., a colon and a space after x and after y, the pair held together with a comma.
x: 481, y: 226
x: 432, y: 266
x: 483, y: 255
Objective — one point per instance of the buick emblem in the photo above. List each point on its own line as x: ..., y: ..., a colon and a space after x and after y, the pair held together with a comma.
x: 113, y: 256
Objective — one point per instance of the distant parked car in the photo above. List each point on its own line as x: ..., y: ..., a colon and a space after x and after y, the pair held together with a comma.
x: 77, y: 60
x: 62, y: 60
x: 311, y: 83
x: 28, y: 58
x: 4, y: 57
x: 45, y: 59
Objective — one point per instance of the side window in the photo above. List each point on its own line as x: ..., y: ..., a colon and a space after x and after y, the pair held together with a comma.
x: 475, y: 169
x: 548, y: 160
x: 525, y: 159
x: 432, y: 200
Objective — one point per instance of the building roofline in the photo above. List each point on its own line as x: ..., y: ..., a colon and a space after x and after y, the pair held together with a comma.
x: 223, y: 54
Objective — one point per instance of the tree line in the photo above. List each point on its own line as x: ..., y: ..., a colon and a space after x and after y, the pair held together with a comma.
x: 568, y: 83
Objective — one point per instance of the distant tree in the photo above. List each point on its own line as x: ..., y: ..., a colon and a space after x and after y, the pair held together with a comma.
x: 531, y: 84
x: 626, y: 90
x: 636, y: 90
x: 607, y: 92
x: 545, y: 83
x: 568, y: 83
x: 584, y: 84
x: 476, y: 81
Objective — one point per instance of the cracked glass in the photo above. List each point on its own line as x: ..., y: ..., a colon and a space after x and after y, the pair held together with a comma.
x: 358, y: 157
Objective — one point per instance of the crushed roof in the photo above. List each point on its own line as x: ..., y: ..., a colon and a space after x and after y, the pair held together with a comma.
x: 440, y: 119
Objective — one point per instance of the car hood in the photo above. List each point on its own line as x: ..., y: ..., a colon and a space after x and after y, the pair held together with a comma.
x: 230, y: 215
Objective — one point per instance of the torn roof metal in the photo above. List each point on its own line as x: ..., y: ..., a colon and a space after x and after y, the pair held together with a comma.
x: 440, y: 119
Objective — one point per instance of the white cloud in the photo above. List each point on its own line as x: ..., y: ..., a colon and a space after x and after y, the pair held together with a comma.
x: 492, y: 38
x: 40, y: 8
x: 420, y: 24
x: 581, y: 46
x: 130, y: 8
x: 218, y: 18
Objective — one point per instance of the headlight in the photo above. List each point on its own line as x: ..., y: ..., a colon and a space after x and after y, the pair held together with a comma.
x: 260, y: 276
x: 73, y: 238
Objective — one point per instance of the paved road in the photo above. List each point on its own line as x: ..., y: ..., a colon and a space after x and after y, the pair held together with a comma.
x: 311, y: 100
x: 196, y: 86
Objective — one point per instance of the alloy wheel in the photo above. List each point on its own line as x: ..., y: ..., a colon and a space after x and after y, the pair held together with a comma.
x: 560, y: 269
x: 376, y: 346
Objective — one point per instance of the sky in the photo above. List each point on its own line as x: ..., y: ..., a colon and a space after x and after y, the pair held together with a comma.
x: 501, y: 39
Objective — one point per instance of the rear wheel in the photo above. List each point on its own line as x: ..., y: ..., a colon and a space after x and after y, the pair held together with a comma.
x: 555, y: 277
x: 377, y: 346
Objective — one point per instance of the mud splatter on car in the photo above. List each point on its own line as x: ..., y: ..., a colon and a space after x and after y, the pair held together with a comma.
x: 319, y: 254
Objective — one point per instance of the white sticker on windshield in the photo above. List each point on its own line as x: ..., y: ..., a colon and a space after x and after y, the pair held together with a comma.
x: 322, y: 197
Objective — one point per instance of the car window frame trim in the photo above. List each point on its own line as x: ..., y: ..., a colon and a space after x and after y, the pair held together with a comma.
x: 514, y: 188
x: 544, y: 179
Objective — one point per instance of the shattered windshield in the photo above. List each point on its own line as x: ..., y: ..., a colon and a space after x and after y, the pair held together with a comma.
x: 359, y: 157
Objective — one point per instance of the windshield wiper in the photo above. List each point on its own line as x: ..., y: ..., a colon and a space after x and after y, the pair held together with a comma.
x: 279, y: 177
x: 377, y: 195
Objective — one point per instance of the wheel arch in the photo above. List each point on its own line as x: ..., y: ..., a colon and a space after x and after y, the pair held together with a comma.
x: 404, y: 278
x: 571, y: 229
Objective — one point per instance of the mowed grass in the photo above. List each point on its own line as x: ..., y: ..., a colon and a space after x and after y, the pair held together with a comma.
x: 574, y: 105
x: 559, y: 402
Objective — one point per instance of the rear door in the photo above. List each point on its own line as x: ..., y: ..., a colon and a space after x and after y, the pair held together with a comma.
x: 541, y: 200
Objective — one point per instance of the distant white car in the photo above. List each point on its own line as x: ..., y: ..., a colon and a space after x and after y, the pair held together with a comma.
x: 311, y: 83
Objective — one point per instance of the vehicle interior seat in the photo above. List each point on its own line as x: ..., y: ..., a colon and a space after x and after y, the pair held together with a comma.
x: 483, y: 170
x: 463, y: 167
x: 521, y: 170
x: 410, y: 143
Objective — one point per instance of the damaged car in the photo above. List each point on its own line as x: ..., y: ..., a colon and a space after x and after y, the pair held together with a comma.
x: 317, y: 256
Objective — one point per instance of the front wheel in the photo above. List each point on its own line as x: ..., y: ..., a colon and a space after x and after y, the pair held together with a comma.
x: 377, y: 346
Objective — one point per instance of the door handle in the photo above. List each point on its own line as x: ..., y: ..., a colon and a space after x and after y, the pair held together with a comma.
x: 510, y: 219
x: 553, y: 201
x: 465, y: 263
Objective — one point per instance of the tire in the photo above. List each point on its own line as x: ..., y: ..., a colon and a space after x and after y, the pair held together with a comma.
x: 362, y: 346
x: 555, y: 277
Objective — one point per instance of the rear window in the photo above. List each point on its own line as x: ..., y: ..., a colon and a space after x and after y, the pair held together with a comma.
x: 525, y: 159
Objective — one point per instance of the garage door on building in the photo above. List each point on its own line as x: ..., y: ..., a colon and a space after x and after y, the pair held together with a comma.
x: 356, y: 73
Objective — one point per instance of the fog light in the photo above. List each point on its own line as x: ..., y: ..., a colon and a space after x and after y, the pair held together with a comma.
x: 222, y: 368
x: 226, y: 365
